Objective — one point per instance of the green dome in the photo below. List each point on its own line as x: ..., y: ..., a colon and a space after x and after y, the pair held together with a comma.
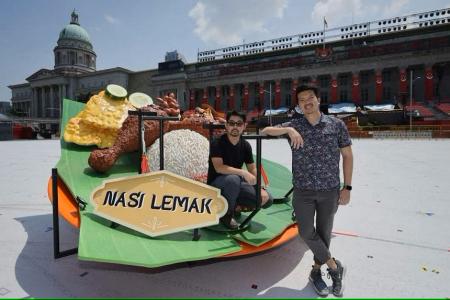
x: 75, y: 32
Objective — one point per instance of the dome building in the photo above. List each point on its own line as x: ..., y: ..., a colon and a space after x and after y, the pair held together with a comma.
x: 73, y: 76
x: 74, y: 52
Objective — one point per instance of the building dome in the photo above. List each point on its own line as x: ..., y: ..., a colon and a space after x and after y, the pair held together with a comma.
x: 74, y: 52
x: 74, y: 32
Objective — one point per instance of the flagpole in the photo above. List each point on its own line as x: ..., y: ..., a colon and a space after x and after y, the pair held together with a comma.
x: 324, y: 33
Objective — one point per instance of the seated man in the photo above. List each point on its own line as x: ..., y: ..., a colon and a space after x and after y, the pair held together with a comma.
x: 227, y: 155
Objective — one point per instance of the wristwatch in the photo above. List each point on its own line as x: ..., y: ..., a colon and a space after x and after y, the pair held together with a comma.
x: 348, y: 187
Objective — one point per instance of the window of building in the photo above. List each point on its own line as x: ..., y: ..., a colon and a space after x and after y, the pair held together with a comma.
x: 386, y: 76
x: 364, y: 95
x: 364, y: 78
x: 324, y: 97
x: 343, y: 95
x: 324, y: 82
x: 72, y: 57
x: 387, y: 93
x: 343, y: 80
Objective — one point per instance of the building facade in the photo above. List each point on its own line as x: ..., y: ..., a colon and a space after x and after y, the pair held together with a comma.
x: 384, y: 61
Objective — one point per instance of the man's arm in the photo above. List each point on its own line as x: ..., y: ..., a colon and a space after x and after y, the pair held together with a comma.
x: 251, y: 168
x: 347, y: 168
x: 228, y: 170
x: 296, y: 138
x: 347, y: 164
x: 276, y: 131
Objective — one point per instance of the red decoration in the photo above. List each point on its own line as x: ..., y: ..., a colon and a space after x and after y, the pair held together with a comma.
x: 261, y: 96
x: 205, y: 96
x: 277, y: 94
x: 356, y: 95
x: 429, y: 82
x: 218, y: 98
x: 333, y: 90
x: 294, y: 89
x: 231, y: 99
x: 378, y: 87
x: 191, y: 99
x: 245, y: 98
x: 403, y: 84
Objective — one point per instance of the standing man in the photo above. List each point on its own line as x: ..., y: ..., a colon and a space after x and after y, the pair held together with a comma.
x: 317, y: 142
x: 227, y: 155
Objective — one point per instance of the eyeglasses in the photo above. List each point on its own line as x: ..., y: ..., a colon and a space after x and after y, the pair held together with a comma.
x: 302, y: 100
x: 235, y: 124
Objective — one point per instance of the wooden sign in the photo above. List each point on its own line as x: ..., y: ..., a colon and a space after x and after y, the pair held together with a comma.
x: 159, y: 203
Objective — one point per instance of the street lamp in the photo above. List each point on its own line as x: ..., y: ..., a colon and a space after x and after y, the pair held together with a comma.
x: 270, y: 102
x: 410, y: 97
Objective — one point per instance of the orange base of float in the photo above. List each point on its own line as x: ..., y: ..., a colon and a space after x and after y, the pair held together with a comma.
x: 68, y: 209
x: 67, y: 206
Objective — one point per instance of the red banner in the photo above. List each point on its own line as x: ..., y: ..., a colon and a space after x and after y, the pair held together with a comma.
x: 191, y: 99
x: 205, y: 96
x: 403, y: 84
x: 356, y: 94
x: 245, y: 98
x: 429, y: 94
x: 230, y: 105
x: 261, y: 96
x: 378, y: 87
x: 277, y: 94
x: 293, y: 90
x: 333, y: 90
x: 218, y: 98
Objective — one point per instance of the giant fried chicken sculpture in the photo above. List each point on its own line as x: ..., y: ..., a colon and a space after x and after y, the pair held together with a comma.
x: 127, y: 140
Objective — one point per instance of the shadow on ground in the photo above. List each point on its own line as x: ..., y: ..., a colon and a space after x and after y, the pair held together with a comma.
x: 40, y: 275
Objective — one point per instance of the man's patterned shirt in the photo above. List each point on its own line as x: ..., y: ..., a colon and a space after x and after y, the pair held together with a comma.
x: 315, y: 166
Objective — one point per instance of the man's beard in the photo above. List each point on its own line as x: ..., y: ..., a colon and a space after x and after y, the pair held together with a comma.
x: 234, y: 132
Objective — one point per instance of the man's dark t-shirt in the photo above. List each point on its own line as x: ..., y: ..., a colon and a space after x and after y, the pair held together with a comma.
x: 232, y: 155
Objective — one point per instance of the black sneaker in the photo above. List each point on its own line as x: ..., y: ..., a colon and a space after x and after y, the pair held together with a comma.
x: 229, y: 222
x: 319, y: 285
x: 337, y: 276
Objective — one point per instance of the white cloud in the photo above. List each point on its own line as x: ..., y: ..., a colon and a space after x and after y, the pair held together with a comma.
x: 228, y: 22
x: 111, y: 20
x: 395, y: 7
x: 339, y: 12
x: 336, y: 11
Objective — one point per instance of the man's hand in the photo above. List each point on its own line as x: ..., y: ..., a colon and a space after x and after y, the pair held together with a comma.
x: 296, y: 138
x: 264, y: 196
x: 249, y: 177
x: 344, y: 197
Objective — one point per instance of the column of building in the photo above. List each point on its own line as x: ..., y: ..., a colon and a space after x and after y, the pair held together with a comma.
x: 399, y: 94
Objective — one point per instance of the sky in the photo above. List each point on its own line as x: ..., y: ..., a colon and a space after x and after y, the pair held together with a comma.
x: 136, y: 34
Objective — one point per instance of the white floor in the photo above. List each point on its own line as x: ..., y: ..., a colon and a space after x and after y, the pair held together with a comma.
x: 398, y: 246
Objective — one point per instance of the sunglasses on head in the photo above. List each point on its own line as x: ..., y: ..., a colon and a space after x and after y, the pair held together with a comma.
x: 235, y: 124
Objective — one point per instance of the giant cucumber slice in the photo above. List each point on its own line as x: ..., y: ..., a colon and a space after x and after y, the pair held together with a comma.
x: 139, y: 100
x: 116, y: 92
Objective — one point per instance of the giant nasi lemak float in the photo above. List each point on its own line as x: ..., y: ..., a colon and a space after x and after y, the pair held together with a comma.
x: 149, y: 219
